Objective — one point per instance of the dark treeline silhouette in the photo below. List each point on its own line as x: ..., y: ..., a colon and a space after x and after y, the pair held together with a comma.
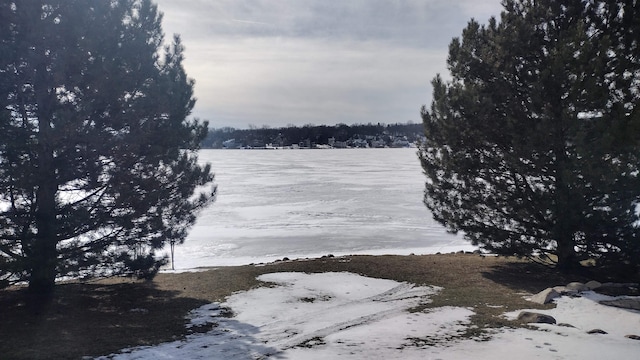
x: 311, y: 136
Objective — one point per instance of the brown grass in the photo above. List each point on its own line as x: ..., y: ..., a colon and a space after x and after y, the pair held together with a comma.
x: 102, y: 317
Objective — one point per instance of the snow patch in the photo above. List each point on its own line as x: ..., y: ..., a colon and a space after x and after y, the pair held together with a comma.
x: 348, y: 316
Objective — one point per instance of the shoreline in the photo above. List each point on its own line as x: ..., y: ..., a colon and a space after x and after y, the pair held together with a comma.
x: 213, y: 262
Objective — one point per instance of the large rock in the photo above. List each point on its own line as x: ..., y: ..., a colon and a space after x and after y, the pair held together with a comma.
x: 592, y: 285
x: 577, y: 286
x: 625, y: 303
x: 531, y: 317
x: 562, y: 290
x: 545, y: 296
x: 619, y: 289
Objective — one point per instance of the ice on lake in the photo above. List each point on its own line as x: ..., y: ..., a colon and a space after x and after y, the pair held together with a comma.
x: 307, y: 203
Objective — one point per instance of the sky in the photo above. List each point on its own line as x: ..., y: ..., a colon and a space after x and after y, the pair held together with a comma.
x: 277, y: 63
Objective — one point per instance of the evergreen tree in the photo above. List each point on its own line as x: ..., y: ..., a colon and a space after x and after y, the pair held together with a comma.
x: 531, y: 148
x: 98, y: 165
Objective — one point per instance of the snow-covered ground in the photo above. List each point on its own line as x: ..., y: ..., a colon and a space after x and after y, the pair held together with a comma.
x: 348, y: 316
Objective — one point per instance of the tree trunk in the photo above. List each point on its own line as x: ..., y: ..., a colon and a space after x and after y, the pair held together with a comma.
x: 566, y: 252
x: 565, y: 226
x: 44, y: 254
x: 566, y: 213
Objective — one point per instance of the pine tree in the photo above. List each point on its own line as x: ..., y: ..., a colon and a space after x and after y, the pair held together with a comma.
x: 98, y: 163
x: 527, y: 151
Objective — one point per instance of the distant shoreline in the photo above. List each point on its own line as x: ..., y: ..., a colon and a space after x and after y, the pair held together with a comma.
x: 317, y: 147
x: 255, y: 260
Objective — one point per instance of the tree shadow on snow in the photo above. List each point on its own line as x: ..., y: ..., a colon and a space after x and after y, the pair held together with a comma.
x: 226, y: 338
x: 91, y: 319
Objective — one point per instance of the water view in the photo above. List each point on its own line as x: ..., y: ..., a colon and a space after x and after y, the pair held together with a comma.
x: 308, y: 203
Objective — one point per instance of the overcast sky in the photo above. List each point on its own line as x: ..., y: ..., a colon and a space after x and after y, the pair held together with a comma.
x: 281, y: 62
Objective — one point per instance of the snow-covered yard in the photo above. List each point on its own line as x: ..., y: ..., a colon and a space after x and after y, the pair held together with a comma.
x: 348, y: 316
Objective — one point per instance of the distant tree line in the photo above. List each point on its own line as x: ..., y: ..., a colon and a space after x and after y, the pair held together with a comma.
x: 342, y: 135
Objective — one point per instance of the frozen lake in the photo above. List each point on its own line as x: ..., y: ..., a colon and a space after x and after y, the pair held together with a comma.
x: 308, y: 203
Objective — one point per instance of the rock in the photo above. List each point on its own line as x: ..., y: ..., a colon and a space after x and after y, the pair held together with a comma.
x: 592, y: 285
x: 566, y: 325
x: 563, y: 290
x: 619, y: 289
x: 626, y: 303
x: 577, y: 286
x: 596, y: 331
x: 531, y: 317
x: 633, y: 337
x: 545, y: 296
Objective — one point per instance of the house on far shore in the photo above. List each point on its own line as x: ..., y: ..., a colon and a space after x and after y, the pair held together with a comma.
x: 401, y: 142
x: 230, y: 144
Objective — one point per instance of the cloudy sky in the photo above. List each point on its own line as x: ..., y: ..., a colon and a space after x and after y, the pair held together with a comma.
x: 281, y: 62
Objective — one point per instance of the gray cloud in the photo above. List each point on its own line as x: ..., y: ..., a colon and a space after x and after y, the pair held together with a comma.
x: 278, y: 62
